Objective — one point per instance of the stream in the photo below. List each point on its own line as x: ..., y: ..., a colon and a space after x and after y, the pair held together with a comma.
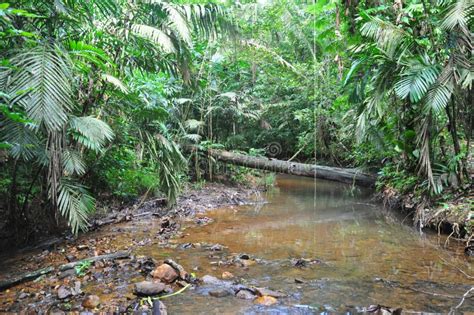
x: 357, y: 254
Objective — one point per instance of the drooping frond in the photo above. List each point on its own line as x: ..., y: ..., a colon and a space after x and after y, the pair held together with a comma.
x: 115, y: 82
x: 20, y: 137
x: 178, y: 21
x: 459, y: 14
x: 73, y: 163
x: 416, y: 80
x: 388, y: 36
x: 41, y: 84
x: 91, y: 132
x: 155, y: 35
x: 75, y: 204
x: 438, y: 97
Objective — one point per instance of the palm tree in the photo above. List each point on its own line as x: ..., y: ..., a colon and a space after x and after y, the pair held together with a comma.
x: 78, y: 56
x: 400, y: 74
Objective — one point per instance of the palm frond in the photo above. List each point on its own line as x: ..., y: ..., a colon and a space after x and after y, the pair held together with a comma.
x: 155, y: 35
x: 193, y: 124
x: 21, y: 138
x: 115, y: 82
x: 75, y: 204
x: 388, y: 36
x: 73, y: 163
x: 41, y: 84
x: 177, y: 21
x: 91, y: 132
x: 459, y: 14
x: 438, y: 97
x: 416, y: 80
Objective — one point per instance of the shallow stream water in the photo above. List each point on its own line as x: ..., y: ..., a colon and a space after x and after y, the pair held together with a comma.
x: 365, y: 255
x: 369, y: 256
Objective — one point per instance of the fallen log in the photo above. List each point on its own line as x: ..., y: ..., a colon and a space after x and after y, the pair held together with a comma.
x: 345, y: 175
x: 24, y: 277
x: 116, y: 255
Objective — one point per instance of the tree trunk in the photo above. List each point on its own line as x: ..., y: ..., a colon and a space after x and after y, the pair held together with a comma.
x: 344, y: 175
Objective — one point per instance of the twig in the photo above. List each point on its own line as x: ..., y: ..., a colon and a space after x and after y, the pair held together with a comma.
x: 117, y: 255
x: 462, y: 300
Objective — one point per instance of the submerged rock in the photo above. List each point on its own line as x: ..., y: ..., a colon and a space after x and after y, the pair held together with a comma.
x: 265, y: 300
x: 149, y: 288
x: 227, y: 275
x: 245, y: 295
x: 91, y: 302
x: 268, y: 292
x: 218, y: 293
x: 165, y: 273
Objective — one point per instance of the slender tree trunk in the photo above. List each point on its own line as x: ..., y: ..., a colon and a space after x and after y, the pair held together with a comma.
x: 12, y: 202
x: 454, y: 136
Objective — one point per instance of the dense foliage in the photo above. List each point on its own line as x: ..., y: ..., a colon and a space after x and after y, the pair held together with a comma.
x: 100, y: 98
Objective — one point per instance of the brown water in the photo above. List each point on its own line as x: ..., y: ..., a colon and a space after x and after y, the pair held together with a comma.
x: 369, y: 256
x: 359, y: 241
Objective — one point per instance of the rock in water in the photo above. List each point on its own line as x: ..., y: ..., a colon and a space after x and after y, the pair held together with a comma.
x: 227, y: 275
x: 177, y: 267
x: 268, y: 292
x: 219, y: 293
x: 165, y: 273
x: 159, y: 308
x: 91, y: 302
x: 245, y: 295
x: 149, y: 288
x: 63, y: 292
x: 265, y: 300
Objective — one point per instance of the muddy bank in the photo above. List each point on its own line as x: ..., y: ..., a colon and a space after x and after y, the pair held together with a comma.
x: 454, y: 217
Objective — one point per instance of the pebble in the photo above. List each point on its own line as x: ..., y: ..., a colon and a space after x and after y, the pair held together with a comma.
x: 91, y: 302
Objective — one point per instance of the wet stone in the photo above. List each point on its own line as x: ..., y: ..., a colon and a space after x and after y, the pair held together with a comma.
x: 165, y: 273
x: 23, y: 295
x: 245, y: 295
x: 67, y: 273
x: 265, y: 300
x: 218, y: 293
x: 268, y: 292
x: 227, y: 275
x: 149, y: 288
